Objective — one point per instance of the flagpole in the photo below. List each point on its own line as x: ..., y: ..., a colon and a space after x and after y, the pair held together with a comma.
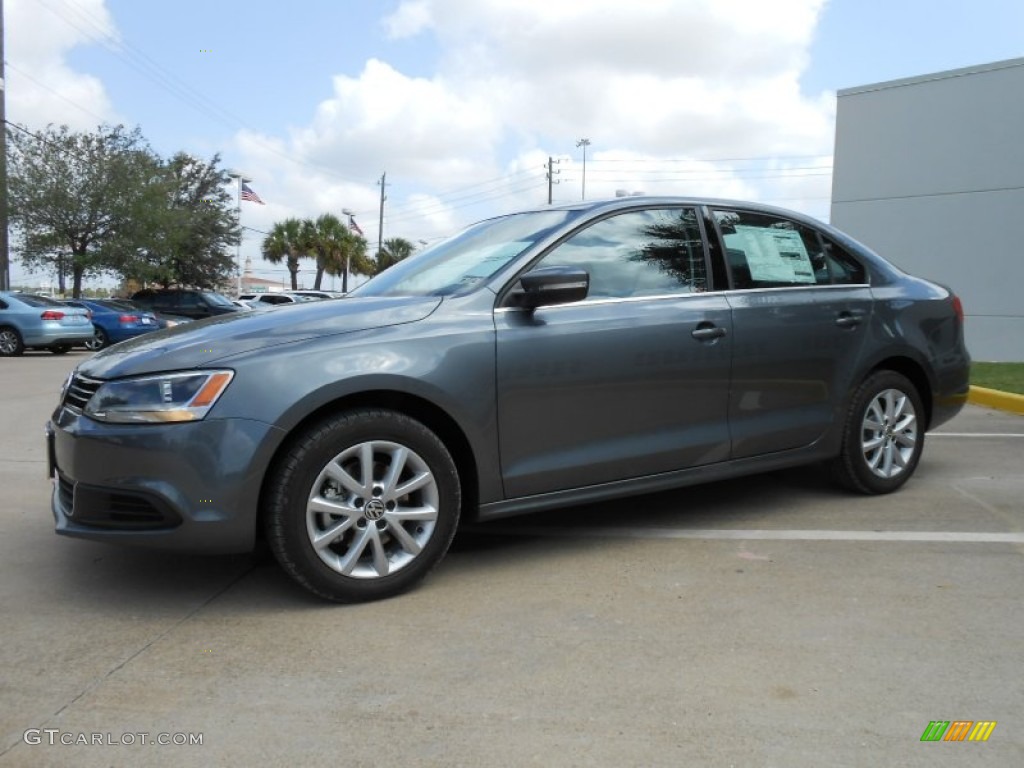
x: 242, y: 178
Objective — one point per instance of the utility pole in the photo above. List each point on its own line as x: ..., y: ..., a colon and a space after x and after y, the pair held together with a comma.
x: 5, y: 256
x: 551, y: 176
x: 380, y: 228
x: 584, y: 143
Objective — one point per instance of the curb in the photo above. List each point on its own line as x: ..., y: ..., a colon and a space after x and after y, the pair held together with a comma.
x: 993, y: 398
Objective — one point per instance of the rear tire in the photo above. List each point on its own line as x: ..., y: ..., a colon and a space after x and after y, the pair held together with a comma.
x: 883, y: 435
x: 362, y: 505
x: 11, y: 344
x: 98, y: 341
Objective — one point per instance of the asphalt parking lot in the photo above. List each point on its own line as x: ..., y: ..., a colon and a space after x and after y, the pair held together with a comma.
x: 773, y: 621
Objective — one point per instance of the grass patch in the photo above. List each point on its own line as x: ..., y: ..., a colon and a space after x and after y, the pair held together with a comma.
x: 1008, y: 377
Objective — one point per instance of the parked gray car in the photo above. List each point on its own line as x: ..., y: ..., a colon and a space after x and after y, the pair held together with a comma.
x: 28, y: 321
x: 544, y: 358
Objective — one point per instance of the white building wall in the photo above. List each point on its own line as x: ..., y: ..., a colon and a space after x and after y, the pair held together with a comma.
x: 929, y: 172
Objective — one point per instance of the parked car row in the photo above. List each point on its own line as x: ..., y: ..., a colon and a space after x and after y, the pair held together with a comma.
x: 30, y: 321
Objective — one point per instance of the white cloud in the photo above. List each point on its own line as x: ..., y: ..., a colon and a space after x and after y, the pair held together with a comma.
x: 41, y: 87
x: 666, y: 90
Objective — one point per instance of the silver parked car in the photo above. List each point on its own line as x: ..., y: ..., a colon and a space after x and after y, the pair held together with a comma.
x: 539, y: 359
x: 28, y: 321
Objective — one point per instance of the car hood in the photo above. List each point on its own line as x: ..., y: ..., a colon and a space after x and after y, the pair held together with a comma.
x: 208, y: 341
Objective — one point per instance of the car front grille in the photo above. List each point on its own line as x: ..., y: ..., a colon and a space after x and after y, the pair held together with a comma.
x: 80, y: 391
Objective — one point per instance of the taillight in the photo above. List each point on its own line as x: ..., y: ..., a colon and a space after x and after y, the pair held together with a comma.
x: 127, y: 319
x: 958, y: 308
x: 52, y: 314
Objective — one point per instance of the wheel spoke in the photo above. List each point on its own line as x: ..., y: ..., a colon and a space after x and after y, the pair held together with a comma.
x: 338, y: 474
x: 325, y: 537
x: 887, y: 452
x: 348, y: 563
x: 405, y: 514
x: 905, y: 439
x: 404, y: 538
x: 418, y: 481
x: 380, y: 556
x: 366, y: 466
x: 398, y: 459
x: 873, y: 443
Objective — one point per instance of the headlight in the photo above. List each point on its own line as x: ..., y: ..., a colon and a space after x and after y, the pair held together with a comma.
x: 163, y: 398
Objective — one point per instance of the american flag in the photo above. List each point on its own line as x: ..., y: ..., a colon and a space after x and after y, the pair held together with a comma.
x: 248, y: 194
x: 353, y: 226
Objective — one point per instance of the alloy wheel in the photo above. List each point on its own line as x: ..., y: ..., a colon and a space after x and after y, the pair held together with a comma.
x: 372, y: 509
x: 889, y: 433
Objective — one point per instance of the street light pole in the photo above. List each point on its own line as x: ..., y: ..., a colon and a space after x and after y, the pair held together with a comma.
x: 242, y: 179
x: 584, y: 143
x: 352, y: 227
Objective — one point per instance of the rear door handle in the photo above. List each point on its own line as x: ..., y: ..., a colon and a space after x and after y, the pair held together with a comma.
x: 848, y: 320
x: 707, y: 332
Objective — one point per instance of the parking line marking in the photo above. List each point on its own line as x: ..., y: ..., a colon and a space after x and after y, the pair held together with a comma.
x: 976, y: 434
x: 762, y: 535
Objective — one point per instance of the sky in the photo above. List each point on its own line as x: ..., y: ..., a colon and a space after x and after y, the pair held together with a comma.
x: 459, y: 104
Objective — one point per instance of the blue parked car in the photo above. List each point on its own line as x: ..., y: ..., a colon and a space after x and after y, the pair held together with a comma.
x: 115, y: 321
x: 28, y: 321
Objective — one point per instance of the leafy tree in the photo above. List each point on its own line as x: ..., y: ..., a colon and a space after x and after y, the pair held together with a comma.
x: 286, y: 242
x: 393, y: 251
x: 189, y: 227
x: 78, y: 200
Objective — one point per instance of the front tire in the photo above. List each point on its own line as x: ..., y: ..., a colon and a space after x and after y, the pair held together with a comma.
x: 883, y: 436
x: 362, y: 505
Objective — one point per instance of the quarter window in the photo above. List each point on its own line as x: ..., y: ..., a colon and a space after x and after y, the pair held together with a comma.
x: 638, y: 253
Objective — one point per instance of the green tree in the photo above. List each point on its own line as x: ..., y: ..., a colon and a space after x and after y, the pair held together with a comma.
x: 286, y: 242
x: 189, y: 227
x: 338, y: 250
x: 393, y: 250
x: 78, y: 200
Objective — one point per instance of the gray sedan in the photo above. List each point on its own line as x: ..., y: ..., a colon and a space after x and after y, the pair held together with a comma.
x: 28, y: 321
x: 535, y: 360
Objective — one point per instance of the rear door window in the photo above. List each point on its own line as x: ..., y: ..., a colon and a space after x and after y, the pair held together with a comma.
x: 765, y: 251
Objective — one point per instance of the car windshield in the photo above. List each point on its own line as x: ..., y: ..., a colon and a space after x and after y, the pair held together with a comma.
x: 461, y: 263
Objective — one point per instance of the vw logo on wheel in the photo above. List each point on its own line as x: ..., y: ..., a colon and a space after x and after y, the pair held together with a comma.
x: 374, y: 509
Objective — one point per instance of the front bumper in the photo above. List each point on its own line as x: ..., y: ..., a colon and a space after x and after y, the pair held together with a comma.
x: 186, y: 487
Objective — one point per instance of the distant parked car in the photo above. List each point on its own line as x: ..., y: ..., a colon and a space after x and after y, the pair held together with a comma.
x: 163, y: 319
x: 114, y: 321
x: 319, y: 294
x: 28, y: 321
x: 185, y: 301
x: 254, y: 300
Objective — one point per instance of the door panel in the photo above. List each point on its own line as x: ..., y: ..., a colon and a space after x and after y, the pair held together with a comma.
x: 602, y: 391
x: 794, y: 354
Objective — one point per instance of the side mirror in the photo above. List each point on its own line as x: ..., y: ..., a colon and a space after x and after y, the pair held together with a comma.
x: 551, y: 285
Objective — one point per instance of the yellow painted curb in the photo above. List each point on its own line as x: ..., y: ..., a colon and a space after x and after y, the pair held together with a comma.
x: 993, y: 398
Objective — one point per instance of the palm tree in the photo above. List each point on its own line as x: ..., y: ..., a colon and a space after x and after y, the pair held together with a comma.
x: 393, y: 251
x: 337, y: 249
x: 285, y: 243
